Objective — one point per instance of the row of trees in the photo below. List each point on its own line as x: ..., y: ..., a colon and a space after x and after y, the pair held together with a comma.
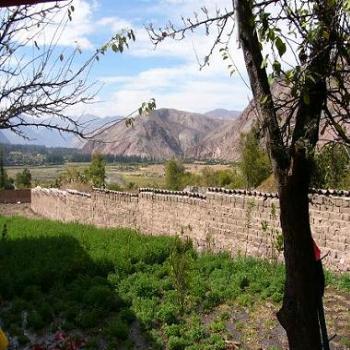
x: 31, y: 155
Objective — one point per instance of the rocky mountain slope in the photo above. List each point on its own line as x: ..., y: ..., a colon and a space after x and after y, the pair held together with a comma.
x: 222, y: 143
x: 163, y: 134
x: 221, y: 113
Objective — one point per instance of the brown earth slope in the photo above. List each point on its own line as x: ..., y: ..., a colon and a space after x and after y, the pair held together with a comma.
x: 164, y: 134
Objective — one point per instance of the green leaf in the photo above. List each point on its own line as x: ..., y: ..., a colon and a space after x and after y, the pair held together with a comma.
x: 306, y: 98
x: 277, y: 67
x: 281, y: 46
x: 114, y: 47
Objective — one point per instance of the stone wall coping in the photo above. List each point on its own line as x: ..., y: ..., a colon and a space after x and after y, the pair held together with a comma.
x: 324, y: 192
x: 104, y: 190
x: 173, y: 193
x: 57, y: 191
x: 214, y: 190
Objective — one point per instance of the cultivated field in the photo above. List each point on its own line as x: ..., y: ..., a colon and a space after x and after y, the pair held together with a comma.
x: 122, y: 174
x: 118, y: 289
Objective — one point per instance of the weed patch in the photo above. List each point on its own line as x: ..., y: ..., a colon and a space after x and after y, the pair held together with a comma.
x: 101, y: 282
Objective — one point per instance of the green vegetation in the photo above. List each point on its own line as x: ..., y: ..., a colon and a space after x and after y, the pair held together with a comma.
x: 331, y: 170
x: 70, y: 276
x: 96, y: 172
x: 253, y: 168
x: 332, y: 167
x: 29, y: 155
x: 177, y: 178
x: 174, y: 172
x: 82, y: 178
x: 255, y: 164
x: 23, y: 179
x: 5, y: 182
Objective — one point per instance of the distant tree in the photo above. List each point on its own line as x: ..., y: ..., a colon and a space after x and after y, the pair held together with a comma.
x: 71, y: 176
x: 332, y: 167
x: 53, y: 158
x: 255, y: 164
x: 174, y: 171
x: 220, y: 178
x: 6, y: 183
x: 96, y: 173
x: 3, y: 175
x: 23, y: 179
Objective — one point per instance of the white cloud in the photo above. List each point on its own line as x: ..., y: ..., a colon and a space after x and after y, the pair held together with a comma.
x: 63, y: 32
x: 182, y: 87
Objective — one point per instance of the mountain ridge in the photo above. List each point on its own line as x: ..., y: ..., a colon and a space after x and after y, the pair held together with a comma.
x: 164, y: 134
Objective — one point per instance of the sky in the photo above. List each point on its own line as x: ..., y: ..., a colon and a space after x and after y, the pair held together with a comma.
x: 170, y: 73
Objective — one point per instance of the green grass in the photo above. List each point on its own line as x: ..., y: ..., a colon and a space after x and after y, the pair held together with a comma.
x: 70, y: 276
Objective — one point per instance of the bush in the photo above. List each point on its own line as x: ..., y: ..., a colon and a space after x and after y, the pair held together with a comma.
x: 255, y: 164
x: 174, y: 171
x: 177, y: 343
x: 331, y: 168
x: 102, y: 297
x: 118, y: 328
x: 168, y: 313
x: 23, y: 179
x: 96, y: 173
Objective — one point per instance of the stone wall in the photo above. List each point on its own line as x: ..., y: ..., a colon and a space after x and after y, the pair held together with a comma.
x: 231, y: 220
x: 15, y: 196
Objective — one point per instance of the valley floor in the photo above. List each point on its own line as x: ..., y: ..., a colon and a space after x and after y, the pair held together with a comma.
x: 69, y: 286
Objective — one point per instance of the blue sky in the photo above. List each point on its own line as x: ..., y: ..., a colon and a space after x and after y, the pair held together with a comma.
x: 170, y: 74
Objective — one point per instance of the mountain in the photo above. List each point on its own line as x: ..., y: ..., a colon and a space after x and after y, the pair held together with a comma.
x: 53, y: 138
x: 163, y: 134
x: 221, y: 113
x: 222, y: 143
x: 3, y: 138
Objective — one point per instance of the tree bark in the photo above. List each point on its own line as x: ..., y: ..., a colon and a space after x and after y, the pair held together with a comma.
x: 292, y: 170
x: 298, y: 315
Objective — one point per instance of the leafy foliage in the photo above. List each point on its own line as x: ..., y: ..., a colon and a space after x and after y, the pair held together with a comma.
x: 96, y: 173
x: 5, y: 181
x: 71, y: 276
x: 174, y: 171
x: 23, y: 179
x: 332, y: 167
x: 255, y: 164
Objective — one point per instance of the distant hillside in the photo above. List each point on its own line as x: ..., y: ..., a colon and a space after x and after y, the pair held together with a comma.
x: 163, y: 134
x: 221, y: 113
x: 3, y: 139
x: 223, y: 142
x: 53, y: 138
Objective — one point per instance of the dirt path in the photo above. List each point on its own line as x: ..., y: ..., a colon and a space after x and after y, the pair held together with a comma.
x: 258, y: 329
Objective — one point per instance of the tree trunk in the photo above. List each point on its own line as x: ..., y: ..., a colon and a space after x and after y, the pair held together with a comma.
x: 298, y: 315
